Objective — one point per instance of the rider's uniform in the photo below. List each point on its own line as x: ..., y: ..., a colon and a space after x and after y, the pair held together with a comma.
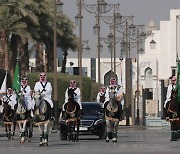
x: 117, y: 89
x: 46, y: 89
x: 26, y: 90
x: 101, y: 95
x: 77, y: 96
x: 168, y: 94
x: 10, y: 98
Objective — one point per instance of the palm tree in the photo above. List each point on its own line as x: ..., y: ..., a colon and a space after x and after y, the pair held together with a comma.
x: 10, y: 25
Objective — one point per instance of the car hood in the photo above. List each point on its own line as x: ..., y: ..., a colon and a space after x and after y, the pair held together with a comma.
x: 90, y: 118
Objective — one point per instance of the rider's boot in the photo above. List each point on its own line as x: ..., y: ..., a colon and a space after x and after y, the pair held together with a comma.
x: 69, y: 136
x: 114, y: 136
x: 107, y: 136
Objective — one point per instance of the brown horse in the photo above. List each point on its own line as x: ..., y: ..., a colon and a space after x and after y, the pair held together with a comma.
x: 173, y: 111
x: 8, y: 118
x: 72, y: 117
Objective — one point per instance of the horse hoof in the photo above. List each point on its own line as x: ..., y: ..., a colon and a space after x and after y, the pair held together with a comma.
x: 29, y: 141
x: 107, y: 140
x: 40, y: 144
x: 46, y: 144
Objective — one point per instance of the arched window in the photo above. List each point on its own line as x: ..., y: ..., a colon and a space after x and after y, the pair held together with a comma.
x: 107, y: 77
x: 148, y: 78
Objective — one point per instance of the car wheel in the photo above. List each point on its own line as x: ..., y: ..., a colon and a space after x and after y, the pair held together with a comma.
x: 63, y: 136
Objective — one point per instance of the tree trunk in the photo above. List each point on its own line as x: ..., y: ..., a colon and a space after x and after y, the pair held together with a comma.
x: 63, y: 70
x: 4, y: 51
x: 13, y: 55
x: 50, y: 61
x: 39, y: 57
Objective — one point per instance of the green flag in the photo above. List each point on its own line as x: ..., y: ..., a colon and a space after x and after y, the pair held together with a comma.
x: 16, y: 80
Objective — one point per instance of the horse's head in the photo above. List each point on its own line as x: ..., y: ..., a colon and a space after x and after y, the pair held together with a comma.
x: 112, y: 94
x: 38, y: 98
x: 71, y: 95
x: 21, y: 100
x: 6, y: 108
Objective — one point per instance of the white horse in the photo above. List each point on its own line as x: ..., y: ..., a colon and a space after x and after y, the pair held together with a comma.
x: 21, y: 114
x: 42, y: 114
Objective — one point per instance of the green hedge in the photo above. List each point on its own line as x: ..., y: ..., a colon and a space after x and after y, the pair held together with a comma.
x: 89, y: 91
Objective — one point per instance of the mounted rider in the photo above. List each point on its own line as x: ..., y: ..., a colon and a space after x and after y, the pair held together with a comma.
x: 77, y: 94
x: 101, y: 95
x: 117, y: 88
x: 9, y: 97
x: 171, y: 109
x: 44, y: 87
x: 171, y: 87
x: 113, y: 117
x: 25, y: 89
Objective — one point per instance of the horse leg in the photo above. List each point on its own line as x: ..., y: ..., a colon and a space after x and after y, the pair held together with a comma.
x: 69, y: 134
x: 178, y: 130
x: 6, y: 129
x: 114, y: 131
x: 13, y: 127
x: 73, y: 131
x: 173, y: 130
x: 9, y: 131
x: 46, y: 131
x: 77, y: 132
x: 29, y: 130
x: 22, y: 132
x: 41, y: 135
x: 108, y: 129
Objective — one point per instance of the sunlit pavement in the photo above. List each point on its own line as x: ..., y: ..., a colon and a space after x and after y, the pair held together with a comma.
x: 130, y: 140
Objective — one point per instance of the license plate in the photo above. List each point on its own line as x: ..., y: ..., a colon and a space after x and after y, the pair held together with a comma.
x: 82, y: 128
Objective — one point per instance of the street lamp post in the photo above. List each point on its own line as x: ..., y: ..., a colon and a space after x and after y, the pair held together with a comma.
x: 57, y: 6
x: 110, y: 41
x: 134, y: 38
x: 113, y: 21
x: 98, y: 9
x: 78, y: 20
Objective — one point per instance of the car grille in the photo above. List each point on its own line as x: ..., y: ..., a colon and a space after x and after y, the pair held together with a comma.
x: 86, y: 123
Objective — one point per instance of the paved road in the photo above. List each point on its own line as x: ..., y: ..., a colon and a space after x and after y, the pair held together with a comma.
x: 131, y: 140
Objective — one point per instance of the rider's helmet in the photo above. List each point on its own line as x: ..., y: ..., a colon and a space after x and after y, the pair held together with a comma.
x: 24, y: 81
x: 9, y: 91
x: 112, y: 81
x: 72, y: 84
x: 103, y: 89
x: 42, y: 77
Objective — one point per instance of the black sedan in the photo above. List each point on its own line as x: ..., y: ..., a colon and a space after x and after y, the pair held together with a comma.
x: 92, y: 121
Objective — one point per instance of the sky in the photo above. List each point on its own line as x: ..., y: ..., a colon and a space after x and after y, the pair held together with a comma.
x: 142, y: 10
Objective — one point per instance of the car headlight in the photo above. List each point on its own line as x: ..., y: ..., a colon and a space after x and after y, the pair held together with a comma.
x: 98, y: 122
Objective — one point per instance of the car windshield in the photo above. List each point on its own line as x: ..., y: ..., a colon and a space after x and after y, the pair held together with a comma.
x: 91, y: 110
